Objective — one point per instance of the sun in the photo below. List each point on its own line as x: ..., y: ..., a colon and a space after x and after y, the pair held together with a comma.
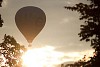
x: 42, y: 57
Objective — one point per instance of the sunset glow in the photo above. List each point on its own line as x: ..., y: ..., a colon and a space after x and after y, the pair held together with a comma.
x: 48, y: 57
x: 42, y: 57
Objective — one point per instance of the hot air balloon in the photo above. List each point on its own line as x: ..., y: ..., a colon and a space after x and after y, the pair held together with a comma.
x: 30, y: 21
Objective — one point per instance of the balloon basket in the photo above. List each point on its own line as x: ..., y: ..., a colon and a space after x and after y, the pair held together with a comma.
x: 30, y: 45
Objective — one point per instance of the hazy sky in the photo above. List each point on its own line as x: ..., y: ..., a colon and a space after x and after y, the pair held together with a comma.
x: 61, y: 29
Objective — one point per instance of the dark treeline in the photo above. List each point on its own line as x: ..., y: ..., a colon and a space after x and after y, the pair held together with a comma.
x: 90, y: 30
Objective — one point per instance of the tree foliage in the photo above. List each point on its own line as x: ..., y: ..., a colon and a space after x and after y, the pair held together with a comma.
x: 1, y: 3
x: 1, y: 20
x: 11, y: 51
x: 90, y: 30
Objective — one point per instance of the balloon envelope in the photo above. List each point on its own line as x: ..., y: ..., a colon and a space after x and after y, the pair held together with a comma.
x: 30, y: 21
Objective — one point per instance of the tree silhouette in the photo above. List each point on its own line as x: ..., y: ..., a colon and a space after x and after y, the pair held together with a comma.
x: 1, y: 3
x: 90, y: 31
x: 1, y: 20
x: 11, y: 52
